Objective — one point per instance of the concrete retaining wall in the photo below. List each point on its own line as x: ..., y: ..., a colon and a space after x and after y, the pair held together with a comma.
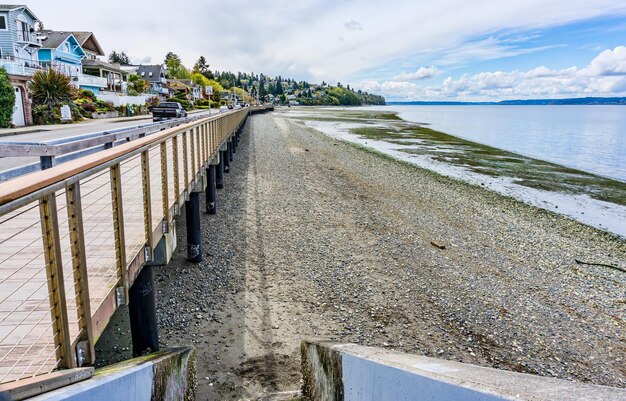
x: 162, y: 376
x: 349, y: 372
x: 120, y: 100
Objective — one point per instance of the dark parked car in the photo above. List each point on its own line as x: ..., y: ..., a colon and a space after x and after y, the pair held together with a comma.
x: 167, y: 110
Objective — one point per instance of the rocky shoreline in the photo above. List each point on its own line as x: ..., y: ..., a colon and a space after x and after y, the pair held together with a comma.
x: 316, y: 238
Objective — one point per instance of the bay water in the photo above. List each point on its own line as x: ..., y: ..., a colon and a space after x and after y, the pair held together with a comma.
x: 584, y: 137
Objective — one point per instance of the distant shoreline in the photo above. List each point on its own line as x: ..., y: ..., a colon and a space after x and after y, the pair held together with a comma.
x: 600, y: 101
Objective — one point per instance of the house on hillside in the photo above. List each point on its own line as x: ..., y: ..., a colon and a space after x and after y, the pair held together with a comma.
x: 89, y: 43
x: 19, y: 46
x: 155, y: 75
x: 107, y: 76
x: 61, y: 51
x: 192, y: 91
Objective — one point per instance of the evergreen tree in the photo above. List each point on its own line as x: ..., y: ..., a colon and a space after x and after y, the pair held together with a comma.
x: 120, y: 58
x: 201, y: 65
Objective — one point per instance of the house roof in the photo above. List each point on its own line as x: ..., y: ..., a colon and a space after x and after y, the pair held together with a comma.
x: 53, y: 39
x: 104, y: 65
x: 9, y: 7
x: 178, y: 83
x: 88, y: 41
x: 145, y: 70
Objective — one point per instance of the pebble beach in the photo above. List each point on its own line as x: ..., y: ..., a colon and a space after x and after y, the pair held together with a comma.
x: 320, y: 238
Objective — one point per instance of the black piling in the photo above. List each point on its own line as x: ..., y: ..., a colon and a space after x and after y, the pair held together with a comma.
x: 192, y: 220
x: 142, y: 311
x: 225, y: 155
x: 219, y: 173
x: 229, y: 149
x: 210, y: 191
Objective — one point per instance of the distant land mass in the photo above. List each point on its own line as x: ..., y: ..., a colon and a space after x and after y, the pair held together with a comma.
x: 539, y: 102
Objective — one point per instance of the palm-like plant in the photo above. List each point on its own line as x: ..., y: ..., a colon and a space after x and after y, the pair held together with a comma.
x: 51, y: 88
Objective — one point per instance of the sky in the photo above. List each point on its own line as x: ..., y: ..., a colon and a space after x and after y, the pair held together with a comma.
x: 405, y: 50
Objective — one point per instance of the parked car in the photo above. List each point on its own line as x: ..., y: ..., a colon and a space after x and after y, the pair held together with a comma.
x: 167, y: 110
x: 230, y: 106
x: 223, y: 109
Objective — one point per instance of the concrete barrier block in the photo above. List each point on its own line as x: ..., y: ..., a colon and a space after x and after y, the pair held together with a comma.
x: 168, y: 375
x: 350, y: 372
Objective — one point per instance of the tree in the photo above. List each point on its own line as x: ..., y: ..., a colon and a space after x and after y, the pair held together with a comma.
x: 120, y: 58
x: 201, y: 65
x: 7, y: 100
x: 175, y: 67
x: 136, y: 85
x: 51, y: 88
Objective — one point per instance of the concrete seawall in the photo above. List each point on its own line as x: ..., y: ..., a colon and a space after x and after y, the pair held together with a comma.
x: 167, y: 375
x: 350, y: 372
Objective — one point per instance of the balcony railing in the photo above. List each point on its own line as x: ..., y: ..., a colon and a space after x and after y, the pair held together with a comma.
x: 20, y: 66
x: 27, y: 37
x: 90, y: 80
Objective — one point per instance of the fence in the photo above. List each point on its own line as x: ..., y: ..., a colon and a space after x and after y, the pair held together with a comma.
x: 74, y: 237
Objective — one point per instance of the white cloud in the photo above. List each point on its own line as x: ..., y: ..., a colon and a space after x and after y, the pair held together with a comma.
x: 421, y: 73
x: 604, y: 76
x: 353, y: 25
x: 302, y: 38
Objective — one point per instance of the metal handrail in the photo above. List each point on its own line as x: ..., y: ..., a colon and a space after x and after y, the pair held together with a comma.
x: 66, y: 149
x: 74, y: 237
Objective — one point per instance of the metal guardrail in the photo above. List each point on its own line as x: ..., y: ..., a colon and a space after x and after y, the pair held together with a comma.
x: 62, y: 150
x: 74, y: 237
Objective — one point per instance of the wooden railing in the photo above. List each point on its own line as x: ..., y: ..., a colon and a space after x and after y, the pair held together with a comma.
x: 74, y: 237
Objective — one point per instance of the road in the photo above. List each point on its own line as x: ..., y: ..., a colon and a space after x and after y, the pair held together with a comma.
x: 52, y: 132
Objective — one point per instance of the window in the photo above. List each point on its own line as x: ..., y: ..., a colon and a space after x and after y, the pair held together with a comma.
x: 3, y: 23
x: 143, y: 74
x: 150, y: 74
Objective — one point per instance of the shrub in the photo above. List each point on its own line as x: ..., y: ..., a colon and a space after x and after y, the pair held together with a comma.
x: 153, y: 101
x: 7, y: 100
x: 88, y: 107
x: 85, y: 94
x: 51, y: 88
x: 184, y: 102
x: 202, y: 102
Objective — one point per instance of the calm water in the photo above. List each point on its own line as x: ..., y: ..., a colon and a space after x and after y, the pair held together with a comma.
x: 588, y: 138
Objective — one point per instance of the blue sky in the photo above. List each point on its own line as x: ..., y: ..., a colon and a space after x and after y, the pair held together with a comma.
x: 405, y: 49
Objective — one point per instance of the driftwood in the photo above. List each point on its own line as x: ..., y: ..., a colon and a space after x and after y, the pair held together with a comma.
x: 580, y: 262
x: 437, y: 245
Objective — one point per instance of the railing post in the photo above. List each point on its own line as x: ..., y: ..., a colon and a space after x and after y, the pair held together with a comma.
x: 165, y: 189
x: 56, y: 287
x: 118, y: 232
x: 47, y: 162
x: 147, y: 204
x: 192, y: 154
x: 198, y: 151
x: 176, y: 173
x: 185, y: 164
x: 85, y: 353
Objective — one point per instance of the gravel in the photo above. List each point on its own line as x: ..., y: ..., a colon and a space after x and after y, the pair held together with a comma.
x: 315, y: 238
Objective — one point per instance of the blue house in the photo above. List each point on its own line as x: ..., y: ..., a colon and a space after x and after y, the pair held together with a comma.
x: 18, y: 38
x: 19, y: 46
x: 61, y: 51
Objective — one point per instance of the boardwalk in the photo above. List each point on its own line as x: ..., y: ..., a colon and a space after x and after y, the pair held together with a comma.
x: 160, y: 169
